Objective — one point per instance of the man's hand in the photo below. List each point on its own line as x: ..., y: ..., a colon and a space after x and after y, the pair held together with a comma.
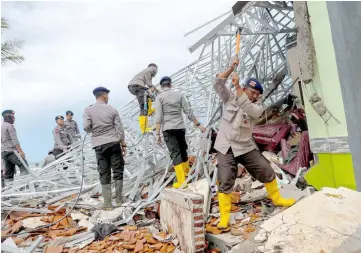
x: 234, y: 61
x: 22, y: 154
x: 235, y: 79
x: 202, y: 128
x: 124, y: 151
x: 158, y: 139
x: 65, y: 150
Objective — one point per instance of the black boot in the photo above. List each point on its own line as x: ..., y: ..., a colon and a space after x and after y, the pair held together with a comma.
x: 107, y: 195
x: 118, y: 192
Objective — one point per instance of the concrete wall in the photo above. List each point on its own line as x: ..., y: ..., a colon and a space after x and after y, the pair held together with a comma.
x: 326, y: 80
x: 329, y: 142
x: 345, y: 20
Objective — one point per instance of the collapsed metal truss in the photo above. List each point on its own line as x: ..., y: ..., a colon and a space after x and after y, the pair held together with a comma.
x: 265, y: 27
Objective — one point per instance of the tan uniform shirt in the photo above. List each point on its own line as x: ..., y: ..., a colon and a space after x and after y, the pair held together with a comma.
x: 103, y: 121
x: 62, y: 138
x: 143, y: 78
x: 72, y: 128
x: 237, y: 122
x: 9, y: 137
x: 169, y: 107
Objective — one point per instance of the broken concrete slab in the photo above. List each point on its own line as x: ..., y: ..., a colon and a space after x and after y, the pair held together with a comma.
x: 318, y: 222
x: 291, y: 191
x: 254, y: 195
x: 181, y: 213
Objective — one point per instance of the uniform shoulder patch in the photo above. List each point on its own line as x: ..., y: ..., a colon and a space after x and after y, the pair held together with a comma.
x: 56, y: 130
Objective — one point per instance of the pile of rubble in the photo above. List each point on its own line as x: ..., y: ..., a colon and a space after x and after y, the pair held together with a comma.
x: 59, y: 203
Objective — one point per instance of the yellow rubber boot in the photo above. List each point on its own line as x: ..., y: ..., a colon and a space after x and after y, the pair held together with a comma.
x: 151, y: 110
x: 179, y: 172
x: 143, y: 124
x: 224, y: 201
x: 275, y: 196
x: 186, y: 168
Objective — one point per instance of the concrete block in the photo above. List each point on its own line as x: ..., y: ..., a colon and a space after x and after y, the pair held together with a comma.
x: 181, y: 212
x: 202, y: 187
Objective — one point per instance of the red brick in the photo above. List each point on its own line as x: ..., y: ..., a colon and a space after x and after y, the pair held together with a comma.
x: 197, y: 210
x: 199, y: 217
x: 199, y: 225
x: 201, y: 232
x: 200, y: 247
x: 200, y: 239
x: 197, y: 201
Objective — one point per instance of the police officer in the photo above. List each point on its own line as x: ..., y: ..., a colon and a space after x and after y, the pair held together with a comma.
x: 62, y: 138
x: 234, y: 141
x: 9, y: 143
x: 137, y: 86
x: 48, y: 159
x: 103, y: 121
x: 71, y: 126
x: 169, y: 107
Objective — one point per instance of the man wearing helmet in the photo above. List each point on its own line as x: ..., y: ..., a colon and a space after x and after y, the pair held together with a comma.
x: 234, y: 141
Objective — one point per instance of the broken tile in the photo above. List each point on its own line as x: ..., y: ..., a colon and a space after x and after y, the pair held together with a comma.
x: 79, y: 216
x: 139, y: 246
x: 236, y: 232
x: 33, y: 222
x: 54, y: 249
x: 13, y: 229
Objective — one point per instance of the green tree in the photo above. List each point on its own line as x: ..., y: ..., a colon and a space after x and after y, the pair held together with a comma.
x: 10, y: 48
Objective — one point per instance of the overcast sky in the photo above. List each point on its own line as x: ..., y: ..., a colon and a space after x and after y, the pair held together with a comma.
x: 72, y: 47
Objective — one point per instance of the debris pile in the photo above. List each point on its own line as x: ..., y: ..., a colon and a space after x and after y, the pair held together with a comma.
x: 46, y: 203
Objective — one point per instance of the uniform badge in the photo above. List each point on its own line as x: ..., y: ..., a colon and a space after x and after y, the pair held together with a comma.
x: 252, y: 83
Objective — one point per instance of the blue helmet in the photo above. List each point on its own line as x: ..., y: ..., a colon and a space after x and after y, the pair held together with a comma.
x: 100, y: 89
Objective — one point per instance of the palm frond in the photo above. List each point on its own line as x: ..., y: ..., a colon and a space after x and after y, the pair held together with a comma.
x: 4, y: 23
x: 10, y: 50
x: 18, y: 59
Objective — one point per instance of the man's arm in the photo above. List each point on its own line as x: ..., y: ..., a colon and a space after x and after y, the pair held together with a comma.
x: 119, y: 127
x: 221, y: 79
x: 158, y: 115
x: 15, y: 140
x: 148, y: 78
x: 87, y: 122
x: 186, y: 108
x: 76, y: 128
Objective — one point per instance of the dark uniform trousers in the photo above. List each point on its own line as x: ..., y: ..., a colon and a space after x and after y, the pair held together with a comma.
x: 10, y: 161
x: 176, y: 143
x: 56, y: 152
x: 254, y: 162
x: 109, y: 157
x: 139, y: 92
